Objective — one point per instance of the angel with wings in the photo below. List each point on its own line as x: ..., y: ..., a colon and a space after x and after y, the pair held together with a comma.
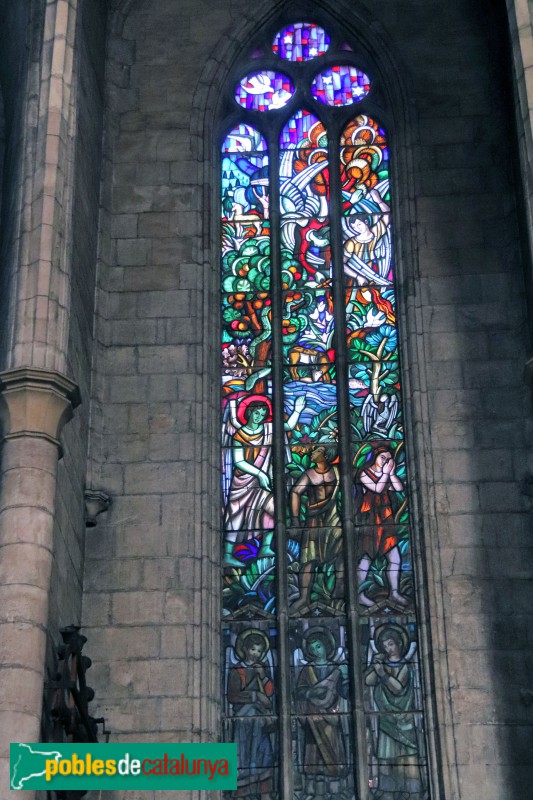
x: 247, y: 471
x: 395, y: 689
x: 321, y: 691
x: 367, y: 241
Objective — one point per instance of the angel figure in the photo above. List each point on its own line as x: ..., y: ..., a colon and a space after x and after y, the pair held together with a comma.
x: 304, y: 227
x: 321, y: 688
x: 391, y: 674
x: 367, y: 244
x: 248, y: 497
x: 250, y: 693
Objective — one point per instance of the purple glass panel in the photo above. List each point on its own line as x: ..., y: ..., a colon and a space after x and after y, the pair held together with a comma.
x: 302, y: 41
x: 340, y: 86
x: 264, y: 91
x: 304, y: 130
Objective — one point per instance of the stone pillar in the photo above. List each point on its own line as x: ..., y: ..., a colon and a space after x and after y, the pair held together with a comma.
x: 34, y: 406
x: 520, y: 17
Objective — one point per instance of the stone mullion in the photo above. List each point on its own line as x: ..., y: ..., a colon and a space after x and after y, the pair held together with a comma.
x: 284, y: 700
x: 348, y: 528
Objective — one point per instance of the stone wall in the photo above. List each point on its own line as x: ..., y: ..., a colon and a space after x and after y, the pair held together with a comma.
x: 151, y: 604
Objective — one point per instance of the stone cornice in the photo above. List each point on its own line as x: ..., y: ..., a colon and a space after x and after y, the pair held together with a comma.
x: 36, y: 402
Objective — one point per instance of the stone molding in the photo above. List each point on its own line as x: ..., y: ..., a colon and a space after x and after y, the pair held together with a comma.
x: 96, y: 502
x: 36, y: 402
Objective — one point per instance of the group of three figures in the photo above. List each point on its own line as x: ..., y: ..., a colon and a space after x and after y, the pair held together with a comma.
x: 313, y: 501
x: 321, y: 701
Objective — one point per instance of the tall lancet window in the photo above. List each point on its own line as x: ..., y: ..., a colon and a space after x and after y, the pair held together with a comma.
x: 321, y: 680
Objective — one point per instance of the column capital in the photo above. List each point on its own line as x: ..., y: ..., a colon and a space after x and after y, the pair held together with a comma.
x: 36, y: 402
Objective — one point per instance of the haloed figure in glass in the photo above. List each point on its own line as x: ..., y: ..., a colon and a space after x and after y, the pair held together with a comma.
x: 250, y: 691
x: 396, y: 749
x: 320, y: 689
x: 250, y: 502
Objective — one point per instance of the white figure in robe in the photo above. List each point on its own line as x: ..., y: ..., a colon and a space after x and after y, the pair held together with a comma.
x: 247, y: 472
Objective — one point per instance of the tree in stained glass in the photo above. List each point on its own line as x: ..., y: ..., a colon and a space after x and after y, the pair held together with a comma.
x: 319, y: 626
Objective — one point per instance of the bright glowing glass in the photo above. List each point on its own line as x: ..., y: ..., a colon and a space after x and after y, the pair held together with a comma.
x: 301, y: 42
x: 340, y: 86
x: 264, y: 91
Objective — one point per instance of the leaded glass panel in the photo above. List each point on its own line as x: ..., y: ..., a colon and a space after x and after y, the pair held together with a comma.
x: 320, y: 636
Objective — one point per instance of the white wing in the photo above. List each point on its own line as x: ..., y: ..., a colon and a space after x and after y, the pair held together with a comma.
x: 230, y: 427
x: 393, y: 410
x: 368, y: 413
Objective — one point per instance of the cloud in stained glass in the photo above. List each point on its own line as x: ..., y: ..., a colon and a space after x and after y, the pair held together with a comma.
x: 264, y: 91
x: 302, y: 41
x: 340, y: 86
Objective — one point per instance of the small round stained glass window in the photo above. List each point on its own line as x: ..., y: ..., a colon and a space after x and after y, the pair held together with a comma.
x: 264, y: 91
x: 340, y: 86
x: 302, y: 41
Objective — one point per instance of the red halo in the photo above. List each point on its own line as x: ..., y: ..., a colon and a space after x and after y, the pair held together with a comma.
x: 251, y: 398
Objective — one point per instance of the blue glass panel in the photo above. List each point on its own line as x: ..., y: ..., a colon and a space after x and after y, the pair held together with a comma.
x: 340, y: 86
x: 244, y: 181
x: 264, y: 91
x: 302, y: 41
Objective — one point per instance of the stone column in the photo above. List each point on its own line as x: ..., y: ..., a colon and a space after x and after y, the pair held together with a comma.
x: 521, y: 28
x: 34, y: 406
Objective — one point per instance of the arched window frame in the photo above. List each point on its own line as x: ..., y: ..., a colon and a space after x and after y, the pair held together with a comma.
x: 375, y: 106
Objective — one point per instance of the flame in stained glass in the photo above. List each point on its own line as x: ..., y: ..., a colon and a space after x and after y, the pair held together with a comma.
x: 302, y: 41
x: 340, y: 86
x: 264, y: 91
x: 303, y: 130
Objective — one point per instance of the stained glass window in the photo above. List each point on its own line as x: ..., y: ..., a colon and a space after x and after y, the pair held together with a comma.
x: 340, y: 86
x: 321, y: 681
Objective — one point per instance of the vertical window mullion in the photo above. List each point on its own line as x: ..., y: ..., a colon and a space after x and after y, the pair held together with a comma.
x: 348, y: 527
x: 279, y: 478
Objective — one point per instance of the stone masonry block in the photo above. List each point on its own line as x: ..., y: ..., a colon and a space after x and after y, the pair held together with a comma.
x: 157, y: 278
x: 163, y: 359
x: 133, y: 252
x: 124, y: 226
x: 165, y: 304
x: 129, y: 389
x: 137, y: 608
x: 155, y: 224
x: 152, y: 174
